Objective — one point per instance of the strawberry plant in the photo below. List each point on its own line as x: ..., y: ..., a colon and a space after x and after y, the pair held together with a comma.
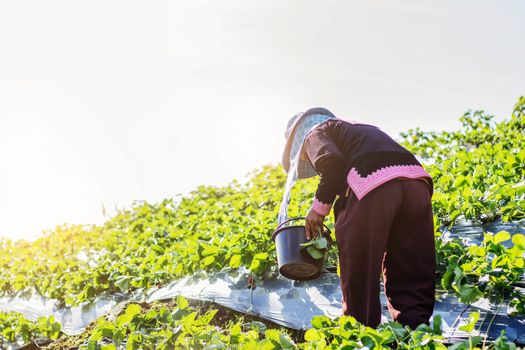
x: 489, y: 269
x: 181, y: 327
x: 14, y: 327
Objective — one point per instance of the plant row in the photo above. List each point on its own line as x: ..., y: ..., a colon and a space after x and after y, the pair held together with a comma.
x: 180, y: 326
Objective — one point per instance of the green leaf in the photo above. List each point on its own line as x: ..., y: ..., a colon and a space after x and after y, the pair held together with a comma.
x: 501, y: 236
x: 236, y: 261
x: 312, y: 335
x: 261, y: 256
x: 273, y: 334
x: 133, y: 309
x: 235, y: 329
x: 319, y: 322
x: 286, y: 342
x: 471, y: 322
x: 397, y: 330
x: 258, y: 326
x: 134, y: 341
x: 209, y: 260
x: 437, y: 323
x: 321, y: 243
x: 127, y: 316
x: 210, y: 250
x: 123, y: 282
x: 256, y: 266
x: 469, y: 293
x: 182, y: 302
x: 107, y: 331
x: 368, y: 341
x: 314, y: 252
x: 502, y: 343
x: 92, y: 345
x: 448, y: 278
x: 469, y: 344
x: 519, y: 241
x: 89, y: 292
x: 519, y: 263
x: 307, y: 244
x: 9, y: 333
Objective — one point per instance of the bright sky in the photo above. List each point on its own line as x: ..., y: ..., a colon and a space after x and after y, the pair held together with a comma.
x: 106, y: 102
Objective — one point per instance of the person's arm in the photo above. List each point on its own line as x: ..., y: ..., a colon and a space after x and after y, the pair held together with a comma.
x: 329, y: 163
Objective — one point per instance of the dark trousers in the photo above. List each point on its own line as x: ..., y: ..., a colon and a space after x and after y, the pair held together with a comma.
x: 390, y: 230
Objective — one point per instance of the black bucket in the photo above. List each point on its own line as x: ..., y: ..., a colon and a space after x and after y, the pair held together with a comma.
x: 296, y: 263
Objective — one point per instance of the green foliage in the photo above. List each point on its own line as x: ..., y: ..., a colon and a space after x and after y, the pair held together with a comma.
x: 486, y: 270
x: 59, y: 266
x: 346, y: 333
x: 472, y: 320
x: 478, y: 171
x: 14, y: 327
x: 181, y: 327
x: 316, y: 247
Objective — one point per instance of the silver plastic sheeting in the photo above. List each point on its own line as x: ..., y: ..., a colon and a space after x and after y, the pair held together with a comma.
x: 285, y: 302
x: 493, y: 319
x: 292, y: 303
x: 473, y: 233
x: 74, y: 320
x: 280, y: 300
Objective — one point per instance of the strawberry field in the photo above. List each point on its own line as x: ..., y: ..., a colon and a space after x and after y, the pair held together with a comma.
x: 479, y: 177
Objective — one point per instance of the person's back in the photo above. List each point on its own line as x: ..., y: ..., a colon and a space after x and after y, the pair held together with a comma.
x: 351, y: 137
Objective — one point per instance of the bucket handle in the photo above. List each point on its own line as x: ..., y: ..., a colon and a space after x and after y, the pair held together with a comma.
x: 326, y: 234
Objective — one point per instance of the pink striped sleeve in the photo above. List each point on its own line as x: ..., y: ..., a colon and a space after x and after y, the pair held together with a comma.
x: 320, y: 207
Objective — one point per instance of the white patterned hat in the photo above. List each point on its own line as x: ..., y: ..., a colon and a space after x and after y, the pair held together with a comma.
x: 296, y: 131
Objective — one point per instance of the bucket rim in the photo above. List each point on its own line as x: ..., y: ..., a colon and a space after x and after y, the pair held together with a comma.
x: 281, y: 226
x: 279, y: 230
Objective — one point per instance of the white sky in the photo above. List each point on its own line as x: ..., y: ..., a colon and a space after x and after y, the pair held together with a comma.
x: 112, y: 101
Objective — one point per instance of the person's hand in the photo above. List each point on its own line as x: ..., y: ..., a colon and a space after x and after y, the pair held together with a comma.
x: 314, y: 224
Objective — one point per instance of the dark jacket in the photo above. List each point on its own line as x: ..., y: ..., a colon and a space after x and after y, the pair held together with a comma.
x: 346, y: 154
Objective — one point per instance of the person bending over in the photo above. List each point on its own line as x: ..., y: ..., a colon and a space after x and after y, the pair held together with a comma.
x: 383, y: 214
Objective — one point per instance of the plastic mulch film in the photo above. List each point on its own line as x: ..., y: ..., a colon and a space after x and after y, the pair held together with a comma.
x: 74, y: 320
x: 292, y: 304
x: 473, y: 233
x: 282, y: 301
